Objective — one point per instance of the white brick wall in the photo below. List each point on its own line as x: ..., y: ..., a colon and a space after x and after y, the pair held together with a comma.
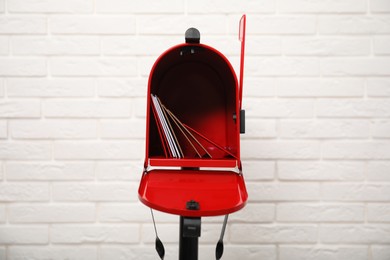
x: 316, y: 155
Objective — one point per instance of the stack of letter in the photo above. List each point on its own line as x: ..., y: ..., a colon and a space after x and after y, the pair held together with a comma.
x: 166, y: 121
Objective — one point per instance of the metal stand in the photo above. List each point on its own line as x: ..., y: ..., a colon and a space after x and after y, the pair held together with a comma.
x: 188, y: 238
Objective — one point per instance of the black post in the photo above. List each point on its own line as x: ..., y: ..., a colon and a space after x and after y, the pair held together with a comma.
x: 189, y: 236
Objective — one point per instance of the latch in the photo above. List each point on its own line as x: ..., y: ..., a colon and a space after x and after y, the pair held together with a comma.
x: 242, y: 120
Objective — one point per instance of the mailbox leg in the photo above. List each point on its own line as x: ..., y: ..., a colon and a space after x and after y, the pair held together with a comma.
x: 189, y: 236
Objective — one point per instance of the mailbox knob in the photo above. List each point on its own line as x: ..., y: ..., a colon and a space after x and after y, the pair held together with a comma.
x: 192, y: 35
x: 192, y: 205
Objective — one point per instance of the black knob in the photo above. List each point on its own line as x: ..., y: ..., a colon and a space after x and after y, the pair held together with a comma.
x: 192, y: 35
x: 192, y: 205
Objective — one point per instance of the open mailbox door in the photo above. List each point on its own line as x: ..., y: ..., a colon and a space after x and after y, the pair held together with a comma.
x: 192, y: 163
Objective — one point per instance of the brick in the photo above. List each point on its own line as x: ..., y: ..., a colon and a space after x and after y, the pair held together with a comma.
x: 356, y: 67
x: 280, y: 149
x: 354, y: 24
x: 379, y: 6
x: 378, y: 171
x: 4, y: 45
x: 122, y: 87
x: 312, y: 46
x: 145, y: 65
x: 251, y: 252
x: 23, y: 25
x: 264, y: 128
x: 299, y: 212
x: 278, y: 24
x: 277, y: 66
x: 258, y: 170
x: 11, y: 192
x: 124, y: 212
x: 267, y: 234
x: 274, y: 108
x: 324, y: 128
x: 127, y: 170
x: 230, y: 6
x: 354, y: 234
x: 25, y: 150
x: 353, y: 108
x: 2, y: 90
x: 50, y: 6
x: 379, y: 87
x: 15, y: 235
x: 166, y: 232
x: 93, y: 67
x: 283, y: 191
x: 320, y: 87
x: 84, y: 24
x: 53, y: 129
x: 90, y: 192
x: 38, y: 87
x: 117, y: 129
x: 358, y: 192
x: 321, y: 170
x: 149, y: 6
x: 258, y: 87
x: 20, y: 109
x: 381, y: 45
x: 230, y: 47
x: 177, y: 24
x: 54, y: 213
x: 328, y: 6
x: 378, y: 212
x: 103, y: 150
x: 260, y: 46
x: 2, y: 214
x: 49, y: 171
x: 139, y: 107
x: 255, y: 213
x: 356, y: 150
x: 53, y: 252
x: 134, y: 253
x: 380, y: 252
x: 381, y: 128
x: 87, y: 108
x: 3, y: 129
x: 327, y: 252
x: 55, y: 45
x: 22, y: 67
x: 137, y: 45
x: 102, y: 234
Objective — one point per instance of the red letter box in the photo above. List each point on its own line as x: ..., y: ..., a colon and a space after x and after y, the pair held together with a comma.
x: 194, y: 118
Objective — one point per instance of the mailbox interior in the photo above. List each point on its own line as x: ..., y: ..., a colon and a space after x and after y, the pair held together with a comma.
x: 198, y: 84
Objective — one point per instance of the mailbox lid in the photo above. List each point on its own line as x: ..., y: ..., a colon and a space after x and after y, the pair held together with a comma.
x: 217, y: 192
